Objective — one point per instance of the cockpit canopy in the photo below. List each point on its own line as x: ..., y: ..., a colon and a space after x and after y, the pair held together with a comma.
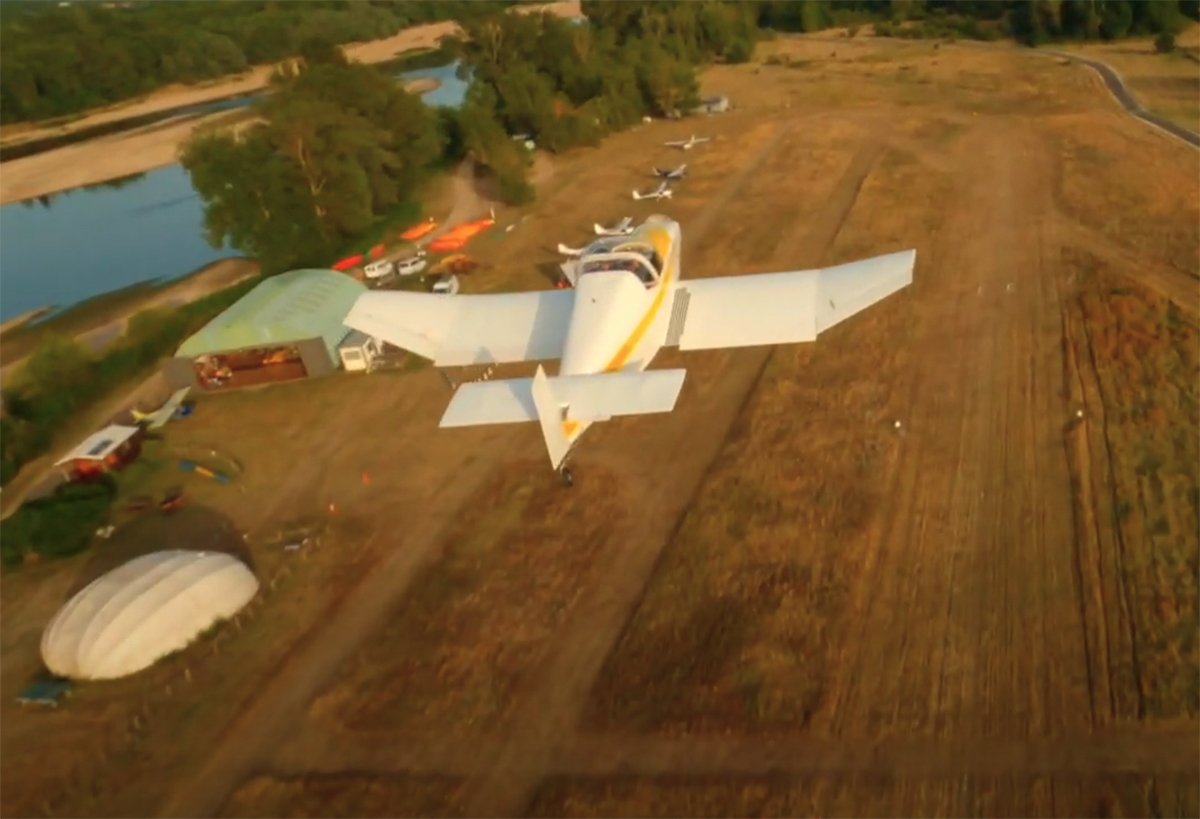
x: 638, y: 258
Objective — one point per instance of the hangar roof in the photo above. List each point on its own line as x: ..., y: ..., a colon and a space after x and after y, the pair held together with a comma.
x: 284, y: 309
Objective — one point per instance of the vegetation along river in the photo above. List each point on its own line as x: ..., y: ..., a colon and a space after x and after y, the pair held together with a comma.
x: 74, y: 245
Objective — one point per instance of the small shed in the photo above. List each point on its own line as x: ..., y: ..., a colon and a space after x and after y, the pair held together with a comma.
x: 113, y: 447
x: 358, y: 351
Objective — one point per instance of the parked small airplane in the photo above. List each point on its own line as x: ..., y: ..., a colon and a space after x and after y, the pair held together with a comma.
x: 622, y: 228
x: 628, y: 302
x: 688, y: 143
x: 661, y: 192
x: 163, y: 414
x: 675, y: 173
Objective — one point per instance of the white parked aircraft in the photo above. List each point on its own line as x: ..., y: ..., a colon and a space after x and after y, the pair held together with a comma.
x: 628, y: 302
x: 675, y: 173
x: 661, y: 192
x: 688, y: 143
x: 623, y: 228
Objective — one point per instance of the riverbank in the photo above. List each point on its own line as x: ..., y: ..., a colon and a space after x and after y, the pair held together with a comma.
x: 97, y: 322
x: 125, y: 154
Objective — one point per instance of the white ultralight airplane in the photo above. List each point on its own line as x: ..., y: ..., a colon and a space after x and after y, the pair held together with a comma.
x: 628, y: 302
x: 622, y: 228
x: 159, y: 417
x: 661, y: 192
x: 672, y: 173
x: 688, y: 143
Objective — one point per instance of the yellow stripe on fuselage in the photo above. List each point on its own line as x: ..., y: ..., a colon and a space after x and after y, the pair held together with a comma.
x: 661, y: 240
x: 635, y: 338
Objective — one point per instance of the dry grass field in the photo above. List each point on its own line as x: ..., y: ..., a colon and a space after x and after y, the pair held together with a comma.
x: 772, y: 601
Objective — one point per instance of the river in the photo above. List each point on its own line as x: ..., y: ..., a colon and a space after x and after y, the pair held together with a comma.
x: 74, y: 245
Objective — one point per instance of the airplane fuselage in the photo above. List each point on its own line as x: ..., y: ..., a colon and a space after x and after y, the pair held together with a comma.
x: 619, y: 321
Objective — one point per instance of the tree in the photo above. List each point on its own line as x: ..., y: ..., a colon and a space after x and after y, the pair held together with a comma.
x: 1164, y: 43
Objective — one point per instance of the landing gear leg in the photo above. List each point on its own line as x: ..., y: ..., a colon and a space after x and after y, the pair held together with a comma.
x: 564, y: 474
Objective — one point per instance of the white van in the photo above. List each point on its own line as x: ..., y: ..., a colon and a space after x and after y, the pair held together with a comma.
x: 411, y: 265
x: 379, y: 270
x: 446, y: 285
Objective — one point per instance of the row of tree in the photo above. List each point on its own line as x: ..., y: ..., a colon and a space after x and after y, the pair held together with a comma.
x: 1031, y: 21
x: 60, y: 60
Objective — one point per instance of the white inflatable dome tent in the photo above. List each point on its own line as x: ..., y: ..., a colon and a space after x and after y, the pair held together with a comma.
x: 143, y: 610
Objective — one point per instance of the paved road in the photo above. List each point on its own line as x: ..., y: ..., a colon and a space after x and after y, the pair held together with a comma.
x: 1117, y: 87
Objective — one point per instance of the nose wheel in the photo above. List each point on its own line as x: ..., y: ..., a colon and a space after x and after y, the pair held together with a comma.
x: 564, y: 475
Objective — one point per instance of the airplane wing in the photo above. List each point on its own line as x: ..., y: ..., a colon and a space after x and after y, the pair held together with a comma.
x: 624, y: 223
x: 455, y: 331
x: 781, y: 308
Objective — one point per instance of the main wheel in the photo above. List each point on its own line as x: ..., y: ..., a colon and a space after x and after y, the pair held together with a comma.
x: 568, y: 480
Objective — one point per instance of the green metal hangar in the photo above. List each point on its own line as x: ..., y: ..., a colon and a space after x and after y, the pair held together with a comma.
x: 286, y: 328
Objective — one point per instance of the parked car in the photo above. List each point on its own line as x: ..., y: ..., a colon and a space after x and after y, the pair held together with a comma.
x: 446, y: 285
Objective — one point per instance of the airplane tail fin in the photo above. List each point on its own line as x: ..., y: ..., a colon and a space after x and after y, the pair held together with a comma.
x: 638, y: 196
x: 600, y: 231
x: 563, y: 404
x: 568, y: 251
x: 550, y: 417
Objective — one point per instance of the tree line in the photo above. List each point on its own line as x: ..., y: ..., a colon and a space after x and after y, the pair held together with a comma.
x: 1030, y: 21
x: 62, y: 60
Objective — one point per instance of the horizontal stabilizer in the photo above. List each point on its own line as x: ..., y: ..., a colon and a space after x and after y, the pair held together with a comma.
x: 585, y: 398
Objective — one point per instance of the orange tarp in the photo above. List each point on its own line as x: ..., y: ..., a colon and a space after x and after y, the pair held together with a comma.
x: 458, y: 236
x: 418, y: 231
x: 350, y: 261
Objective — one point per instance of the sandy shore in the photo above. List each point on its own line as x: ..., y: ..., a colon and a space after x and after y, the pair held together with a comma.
x: 118, y: 155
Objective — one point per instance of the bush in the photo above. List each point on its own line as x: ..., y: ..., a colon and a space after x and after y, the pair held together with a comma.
x: 884, y: 29
x: 57, y: 526
x: 1164, y: 43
